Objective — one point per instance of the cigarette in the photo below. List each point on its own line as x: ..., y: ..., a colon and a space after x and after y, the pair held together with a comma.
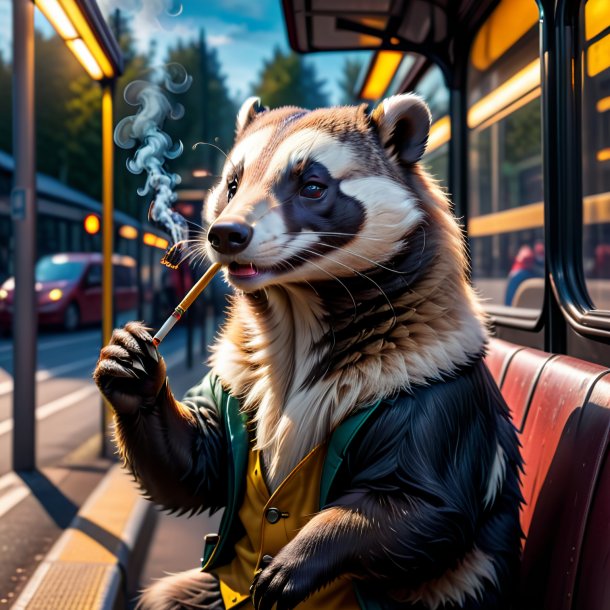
x: 186, y: 302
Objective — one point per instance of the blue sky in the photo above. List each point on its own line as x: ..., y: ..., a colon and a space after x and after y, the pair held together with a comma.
x: 244, y: 33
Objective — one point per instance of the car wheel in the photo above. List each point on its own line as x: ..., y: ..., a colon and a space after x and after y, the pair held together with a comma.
x: 71, y: 317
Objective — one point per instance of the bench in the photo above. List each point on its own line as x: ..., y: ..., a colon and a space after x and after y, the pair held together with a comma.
x: 561, y: 408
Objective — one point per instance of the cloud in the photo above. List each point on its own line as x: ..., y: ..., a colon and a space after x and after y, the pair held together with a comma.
x: 219, y: 40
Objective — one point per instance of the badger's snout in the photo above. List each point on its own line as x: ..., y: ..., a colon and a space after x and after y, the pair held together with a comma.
x: 230, y: 235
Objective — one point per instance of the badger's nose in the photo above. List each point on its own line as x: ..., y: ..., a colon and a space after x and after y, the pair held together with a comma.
x: 230, y: 235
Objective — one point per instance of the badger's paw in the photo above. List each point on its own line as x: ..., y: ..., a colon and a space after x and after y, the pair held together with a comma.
x: 130, y: 372
x: 191, y: 589
x: 287, y: 580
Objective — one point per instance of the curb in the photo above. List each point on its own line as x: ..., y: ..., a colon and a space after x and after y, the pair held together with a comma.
x: 95, y: 563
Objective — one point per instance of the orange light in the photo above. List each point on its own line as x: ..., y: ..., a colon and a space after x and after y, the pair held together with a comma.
x: 201, y: 173
x: 510, y: 20
x: 598, y: 56
x: 603, y: 155
x: 128, y: 232
x: 92, y: 224
x: 603, y: 105
x: 161, y: 243
x: 381, y: 74
x: 55, y: 294
x: 149, y: 239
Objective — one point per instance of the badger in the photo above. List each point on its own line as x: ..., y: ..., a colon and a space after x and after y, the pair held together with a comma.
x: 348, y: 427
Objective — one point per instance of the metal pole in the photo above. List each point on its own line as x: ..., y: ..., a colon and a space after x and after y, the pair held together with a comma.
x: 23, y: 210
x: 107, y: 243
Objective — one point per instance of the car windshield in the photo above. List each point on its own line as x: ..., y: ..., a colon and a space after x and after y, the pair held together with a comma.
x: 57, y: 268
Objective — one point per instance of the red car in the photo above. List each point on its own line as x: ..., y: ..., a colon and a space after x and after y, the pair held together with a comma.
x: 69, y: 289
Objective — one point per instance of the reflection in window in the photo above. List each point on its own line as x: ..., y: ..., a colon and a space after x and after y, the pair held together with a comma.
x: 595, y: 42
x: 505, y: 159
x: 433, y: 89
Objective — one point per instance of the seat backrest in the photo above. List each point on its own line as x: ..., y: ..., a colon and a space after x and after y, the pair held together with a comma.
x: 498, y: 357
x: 562, y: 407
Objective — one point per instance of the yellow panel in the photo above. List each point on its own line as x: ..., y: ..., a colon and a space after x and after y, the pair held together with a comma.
x: 598, y: 56
x: 381, y: 74
x: 597, y: 17
x: 596, y: 208
x: 516, y: 219
x: 507, y: 24
x: 526, y: 80
x: 82, y: 26
x: 440, y: 133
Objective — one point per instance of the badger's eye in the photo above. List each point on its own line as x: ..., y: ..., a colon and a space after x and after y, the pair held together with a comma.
x: 313, y: 190
x: 232, y: 188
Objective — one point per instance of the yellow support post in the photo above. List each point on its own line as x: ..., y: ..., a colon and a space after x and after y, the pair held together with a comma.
x: 107, y: 241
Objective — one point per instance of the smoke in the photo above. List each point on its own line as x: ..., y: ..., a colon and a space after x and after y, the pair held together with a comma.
x: 145, y: 129
x: 148, y: 12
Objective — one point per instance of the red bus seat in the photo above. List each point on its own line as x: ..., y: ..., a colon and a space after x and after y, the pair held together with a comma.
x: 499, y: 356
x: 562, y: 407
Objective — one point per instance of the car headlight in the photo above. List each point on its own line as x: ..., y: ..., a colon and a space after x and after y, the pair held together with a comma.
x: 3, y: 294
x: 55, y: 294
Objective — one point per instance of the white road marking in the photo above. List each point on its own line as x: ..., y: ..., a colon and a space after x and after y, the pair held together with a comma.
x: 11, y: 498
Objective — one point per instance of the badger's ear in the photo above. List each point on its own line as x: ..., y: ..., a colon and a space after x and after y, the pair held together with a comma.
x: 403, y: 124
x: 249, y: 109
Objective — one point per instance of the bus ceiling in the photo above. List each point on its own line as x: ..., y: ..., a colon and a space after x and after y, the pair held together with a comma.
x: 433, y: 29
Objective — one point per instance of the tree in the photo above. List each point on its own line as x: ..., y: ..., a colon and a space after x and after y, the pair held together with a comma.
x: 288, y: 80
x: 209, y: 111
x: 349, y: 81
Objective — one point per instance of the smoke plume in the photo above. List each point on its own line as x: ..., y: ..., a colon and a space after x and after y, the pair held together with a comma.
x: 145, y: 129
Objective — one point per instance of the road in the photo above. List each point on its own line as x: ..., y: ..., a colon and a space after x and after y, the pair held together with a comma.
x: 67, y: 402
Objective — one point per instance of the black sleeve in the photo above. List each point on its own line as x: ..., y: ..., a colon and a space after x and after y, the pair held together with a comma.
x: 177, y: 450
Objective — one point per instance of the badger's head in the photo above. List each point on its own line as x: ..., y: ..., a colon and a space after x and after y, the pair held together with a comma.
x: 309, y: 196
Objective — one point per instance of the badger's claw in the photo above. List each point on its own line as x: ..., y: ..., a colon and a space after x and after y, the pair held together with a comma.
x: 130, y: 372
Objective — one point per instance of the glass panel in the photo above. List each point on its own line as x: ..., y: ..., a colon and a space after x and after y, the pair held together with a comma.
x: 433, y: 89
x: 595, y: 40
x: 505, y: 162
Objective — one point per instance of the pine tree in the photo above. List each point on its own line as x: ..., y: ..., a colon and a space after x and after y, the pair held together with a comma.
x: 288, y: 80
x: 349, y: 81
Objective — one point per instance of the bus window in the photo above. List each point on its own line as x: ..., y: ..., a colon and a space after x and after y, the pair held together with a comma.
x: 433, y: 89
x: 595, y: 43
x: 505, y: 224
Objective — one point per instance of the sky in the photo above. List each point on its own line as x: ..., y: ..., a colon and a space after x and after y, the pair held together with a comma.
x: 244, y: 33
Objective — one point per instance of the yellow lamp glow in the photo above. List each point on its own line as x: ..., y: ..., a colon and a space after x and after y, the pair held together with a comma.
x: 84, y: 56
x: 70, y: 23
x: 161, y: 243
x: 57, y: 17
x: 128, y: 232
x: 55, y: 294
x: 92, y: 224
x: 149, y: 239
x: 3, y: 294
x: 381, y: 74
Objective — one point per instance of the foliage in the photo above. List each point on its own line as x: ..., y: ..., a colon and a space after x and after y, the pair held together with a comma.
x: 6, y: 105
x: 288, y: 80
x: 349, y: 80
x: 209, y: 111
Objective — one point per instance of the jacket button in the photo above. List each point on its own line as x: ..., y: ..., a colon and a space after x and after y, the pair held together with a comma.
x: 273, y: 515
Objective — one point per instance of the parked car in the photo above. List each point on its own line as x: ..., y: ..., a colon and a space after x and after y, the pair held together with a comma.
x: 69, y: 290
